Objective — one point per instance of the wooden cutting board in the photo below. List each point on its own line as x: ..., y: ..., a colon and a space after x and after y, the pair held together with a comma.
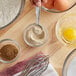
x: 15, y: 31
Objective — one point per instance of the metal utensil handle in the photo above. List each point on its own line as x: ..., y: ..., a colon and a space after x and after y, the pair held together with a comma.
x: 37, y: 14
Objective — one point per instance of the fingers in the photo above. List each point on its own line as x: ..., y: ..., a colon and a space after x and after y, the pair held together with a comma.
x: 44, y: 1
x: 55, y: 4
x: 61, y: 4
x: 48, y: 4
x: 38, y: 2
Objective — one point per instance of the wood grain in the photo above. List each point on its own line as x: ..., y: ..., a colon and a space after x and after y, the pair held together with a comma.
x: 58, y: 51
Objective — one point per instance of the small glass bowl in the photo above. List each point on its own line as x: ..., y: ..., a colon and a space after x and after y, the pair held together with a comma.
x: 68, y: 61
x: 66, y: 21
x: 32, y: 45
x: 12, y: 42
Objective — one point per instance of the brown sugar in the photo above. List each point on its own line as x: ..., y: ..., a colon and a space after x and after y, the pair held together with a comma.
x: 8, y: 52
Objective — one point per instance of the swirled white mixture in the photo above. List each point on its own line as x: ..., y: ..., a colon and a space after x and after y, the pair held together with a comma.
x: 9, y: 9
x: 35, y: 35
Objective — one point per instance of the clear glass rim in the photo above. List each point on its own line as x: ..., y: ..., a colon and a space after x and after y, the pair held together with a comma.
x: 57, y: 27
x: 20, y: 11
x: 32, y: 44
x: 56, y: 11
x: 18, y: 47
x: 64, y: 70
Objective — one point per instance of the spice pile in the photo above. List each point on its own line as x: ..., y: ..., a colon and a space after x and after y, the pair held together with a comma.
x: 8, y: 52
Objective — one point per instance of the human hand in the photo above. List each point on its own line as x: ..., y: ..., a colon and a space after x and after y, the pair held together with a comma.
x: 52, y: 4
x: 38, y: 2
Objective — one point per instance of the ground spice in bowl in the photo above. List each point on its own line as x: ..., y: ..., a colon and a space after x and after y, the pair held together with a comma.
x: 8, y: 52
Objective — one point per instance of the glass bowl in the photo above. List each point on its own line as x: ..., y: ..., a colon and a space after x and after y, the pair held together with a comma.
x: 12, y: 42
x: 66, y: 21
x: 69, y: 67
x: 34, y: 30
x: 72, y: 3
x: 10, y: 11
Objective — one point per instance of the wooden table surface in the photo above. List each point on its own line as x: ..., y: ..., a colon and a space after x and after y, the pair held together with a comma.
x: 15, y: 31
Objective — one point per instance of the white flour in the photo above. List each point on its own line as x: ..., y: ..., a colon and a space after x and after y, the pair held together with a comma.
x: 9, y: 9
x: 72, y: 68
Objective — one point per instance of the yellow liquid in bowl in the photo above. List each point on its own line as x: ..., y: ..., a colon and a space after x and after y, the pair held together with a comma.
x: 69, y: 34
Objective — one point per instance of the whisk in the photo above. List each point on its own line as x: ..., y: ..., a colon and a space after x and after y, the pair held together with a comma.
x: 36, y: 66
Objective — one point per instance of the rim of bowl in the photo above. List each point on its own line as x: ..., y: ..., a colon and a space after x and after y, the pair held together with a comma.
x: 15, y: 44
x: 64, y: 70
x: 20, y: 11
x: 32, y: 44
x: 56, y: 11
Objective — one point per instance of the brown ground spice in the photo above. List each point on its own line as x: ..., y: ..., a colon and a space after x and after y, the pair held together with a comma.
x: 8, y: 52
